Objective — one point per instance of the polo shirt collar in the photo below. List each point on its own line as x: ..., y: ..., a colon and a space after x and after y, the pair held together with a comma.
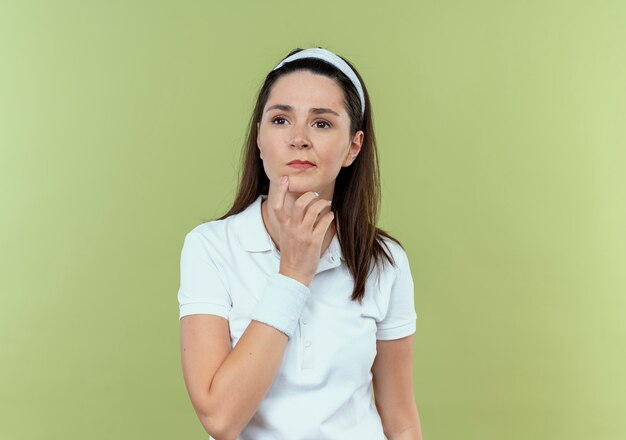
x: 253, y: 236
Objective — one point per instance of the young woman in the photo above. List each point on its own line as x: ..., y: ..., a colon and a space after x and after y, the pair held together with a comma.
x: 287, y: 331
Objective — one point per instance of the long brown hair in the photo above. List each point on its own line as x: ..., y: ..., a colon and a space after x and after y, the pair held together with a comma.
x: 356, y: 198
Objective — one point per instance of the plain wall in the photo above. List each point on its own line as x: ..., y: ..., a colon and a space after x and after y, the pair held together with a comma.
x: 501, y: 136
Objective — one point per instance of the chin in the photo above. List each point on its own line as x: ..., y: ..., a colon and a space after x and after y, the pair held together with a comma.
x: 301, y: 188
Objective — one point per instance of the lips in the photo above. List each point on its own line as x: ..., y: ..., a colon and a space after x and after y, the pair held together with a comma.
x: 300, y: 162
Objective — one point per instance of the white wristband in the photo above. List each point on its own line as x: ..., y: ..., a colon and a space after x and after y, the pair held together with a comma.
x: 281, y: 303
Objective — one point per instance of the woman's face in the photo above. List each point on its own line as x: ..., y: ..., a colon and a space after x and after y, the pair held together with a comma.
x: 304, y: 119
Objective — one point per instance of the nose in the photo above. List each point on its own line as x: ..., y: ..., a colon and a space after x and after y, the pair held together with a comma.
x: 299, y: 138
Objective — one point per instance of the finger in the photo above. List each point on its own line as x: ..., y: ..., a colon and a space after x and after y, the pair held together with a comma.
x: 322, y: 225
x: 315, y: 210
x: 279, y: 202
x: 301, y: 205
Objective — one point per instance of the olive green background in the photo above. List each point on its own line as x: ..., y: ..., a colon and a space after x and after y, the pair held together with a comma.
x: 501, y: 130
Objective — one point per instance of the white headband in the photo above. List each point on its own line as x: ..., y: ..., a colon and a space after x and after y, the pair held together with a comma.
x: 328, y: 56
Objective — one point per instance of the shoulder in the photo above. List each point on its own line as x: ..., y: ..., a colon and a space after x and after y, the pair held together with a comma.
x: 228, y: 237
x: 213, y: 231
x: 214, y: 235
x: 393, y: 247
x: 235, y: 228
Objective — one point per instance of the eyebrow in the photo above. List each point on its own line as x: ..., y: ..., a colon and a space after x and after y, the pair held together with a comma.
x: 315, y: 111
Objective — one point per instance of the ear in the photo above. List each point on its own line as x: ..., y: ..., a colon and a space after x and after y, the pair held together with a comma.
x: 257, y: 140
x: 355, y: 148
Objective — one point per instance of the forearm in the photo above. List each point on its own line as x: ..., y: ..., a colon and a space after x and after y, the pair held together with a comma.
x: 412, y: 428
x: 245, y: 376
x: 413, y: 433
x: 247, y: 373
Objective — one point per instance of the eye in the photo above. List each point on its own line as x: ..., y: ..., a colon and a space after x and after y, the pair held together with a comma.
x: 278, y: 118
x: 322, y: 122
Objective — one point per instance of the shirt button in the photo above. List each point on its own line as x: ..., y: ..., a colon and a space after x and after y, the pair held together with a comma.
x: 307, y: 344
x: 304, y: 321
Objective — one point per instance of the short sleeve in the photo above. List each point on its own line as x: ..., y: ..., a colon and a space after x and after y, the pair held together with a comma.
x: 401, y: 316
x: 202, y: 290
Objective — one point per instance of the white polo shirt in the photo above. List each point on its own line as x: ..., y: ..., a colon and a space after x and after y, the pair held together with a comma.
x: 323, y: 388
